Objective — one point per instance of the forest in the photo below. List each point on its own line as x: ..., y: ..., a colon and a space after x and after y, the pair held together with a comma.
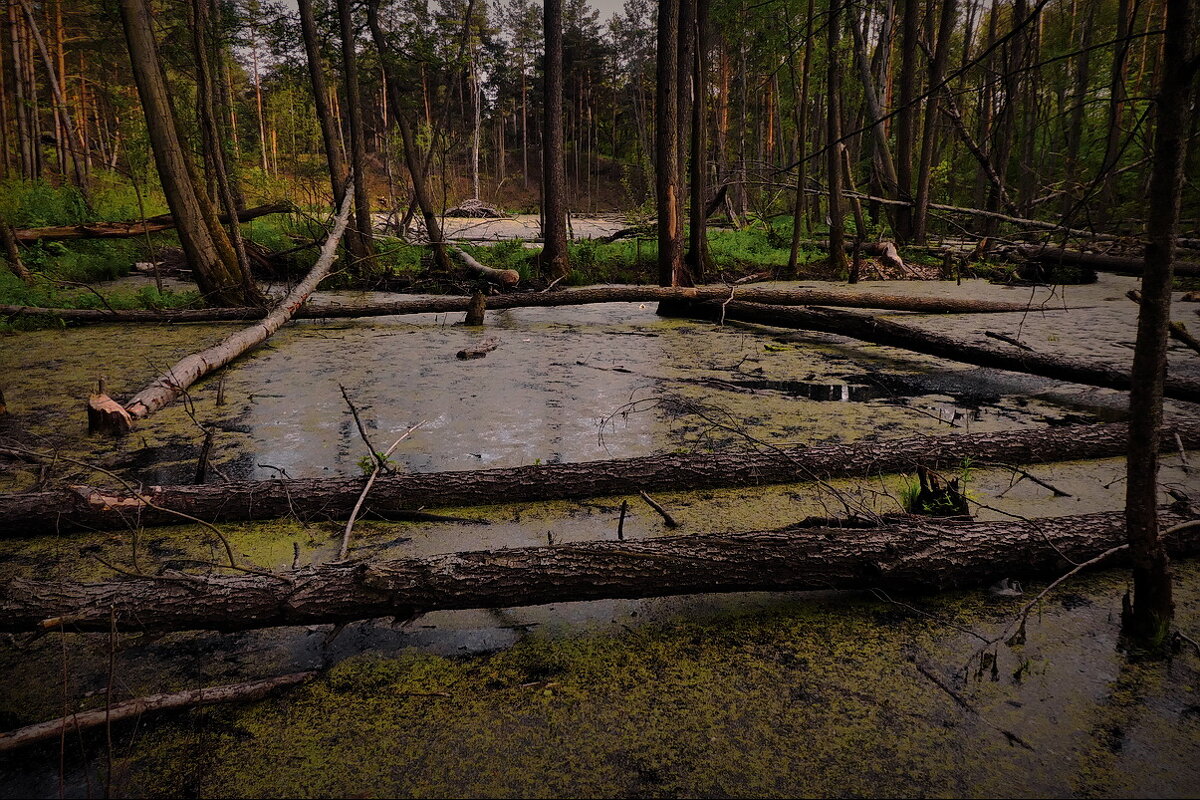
x: 680, y: 398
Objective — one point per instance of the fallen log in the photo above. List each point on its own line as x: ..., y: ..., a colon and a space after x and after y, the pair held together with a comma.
x: 245, y: 692
x: 566, y: 297
x: 103, y: 417
x: 504, y: 277
x: 909, y: 556
x: 1101, y: 262
x: 886, y: 332
x: 479, y: 350
x: 88, y: 509
x: 126, y: 230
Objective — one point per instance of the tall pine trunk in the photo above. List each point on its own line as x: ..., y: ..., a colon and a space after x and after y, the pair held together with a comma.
x: 359, y: 238
x: 554, y: 179
x: 666, y: 137
x: 316, y: 76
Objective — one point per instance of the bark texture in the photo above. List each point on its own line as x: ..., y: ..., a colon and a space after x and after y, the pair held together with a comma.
x: 1101, y: 262
x: 894, y: 334
x: 910, y: 556
x: 566, y: 297
x: 554, y: 179
x: 87, y: 508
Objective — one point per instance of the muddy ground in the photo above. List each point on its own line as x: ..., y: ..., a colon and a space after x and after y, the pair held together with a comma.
x: 752, y: 695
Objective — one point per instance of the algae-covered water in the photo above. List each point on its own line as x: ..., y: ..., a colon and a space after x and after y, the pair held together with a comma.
x: 746, y: 694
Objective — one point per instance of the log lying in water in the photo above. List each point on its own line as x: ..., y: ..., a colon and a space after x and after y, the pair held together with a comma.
x: 1101, y: 262
x: 566, y: 297
x: 69, y: 510
x: 894, y: 334
x: 126, y: 230
x: 909, y: 556
x: 106, y: 416
x: 244, y: 692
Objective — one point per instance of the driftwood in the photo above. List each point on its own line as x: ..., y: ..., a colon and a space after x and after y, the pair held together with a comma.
x: 126, y: 230
x: 478, y: 350
x: 88, y: 509
x: 103, y: 417
x: 881, y: 331
x: 151, y: 704
x: 1101, y: 262
x: 566, y: 297
x: 910, y: 556
x: 504, y: 277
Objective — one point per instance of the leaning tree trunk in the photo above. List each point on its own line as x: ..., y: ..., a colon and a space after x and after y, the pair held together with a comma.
x: 89, y: 509
x: 204, y: 241
x: 928, y: 135
x: 881, y: 331
x: 554, y: 182
x: 910, y: 556
x: 1153, y: 606
x: 107, y: 416
x: 316, y: 74
x: 360, y: 239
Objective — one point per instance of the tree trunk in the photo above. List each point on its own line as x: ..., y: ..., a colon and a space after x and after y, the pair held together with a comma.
x: 129, y: 230
x: 800, y: 207
x: 360, y: 240
x: 908, y: 556
x: 12, y: 255
x: 907, y: 116
x: 55, y: 77
x: 316, y: 75
x: 937, y: 69
x: 88, y: 509
x: 135, y: 709
x: 833, y: 156
x: 566, y: 297
x: 175, y: 381
x: 1153, y: 607
x: 666, y: 138
x: 554, y: 182
x: 881, y: 331
x: 696, y: 258
x: 204, y: 241
x: 1101, y: 262
x: 1116, y: 108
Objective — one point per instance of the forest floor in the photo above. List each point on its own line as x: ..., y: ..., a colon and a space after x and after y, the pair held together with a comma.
x: 765, y: 694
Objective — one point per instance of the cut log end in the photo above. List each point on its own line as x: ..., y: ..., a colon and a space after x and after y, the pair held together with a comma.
x: 106, y: 415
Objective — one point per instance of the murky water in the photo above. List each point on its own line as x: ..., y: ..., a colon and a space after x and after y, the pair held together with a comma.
x: 573, y: 384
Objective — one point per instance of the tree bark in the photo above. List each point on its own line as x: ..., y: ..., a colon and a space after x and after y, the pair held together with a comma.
x: 910, y: 556
x: 941, y: 56
x: 244, y: 692
x: 203, y: 240
x: 88, y: 509
x: 129, y: 230
x: 833, y: 76
x: 881, y: 331
x: 503, y: 277
x: 1153, y: 606
x: 566, y: 297
x: 1101, y: 262
x: 554, y: 182
x: 175, y: 381
x: 666, y: 138
x: 800, y: 208
x: 696, y: 257
x: 316, y: 75
x: 906, y: 118
x: 360, y: 239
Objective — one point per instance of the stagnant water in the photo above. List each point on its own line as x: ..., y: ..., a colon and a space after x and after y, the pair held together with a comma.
x: 755, y: 694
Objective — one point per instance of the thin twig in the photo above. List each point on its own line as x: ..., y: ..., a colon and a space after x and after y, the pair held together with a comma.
x: 345, y: 549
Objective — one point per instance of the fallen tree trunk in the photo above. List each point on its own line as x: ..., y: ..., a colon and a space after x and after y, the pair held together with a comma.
x: 102, y: 416
x: 566, y: 297
x: 881, y: 331
x: 911, y: 556
x: 1101, y: 262
x: 504, y: 277
x: 245, y: 692
x: 86, y: 508
x: 126, y: 230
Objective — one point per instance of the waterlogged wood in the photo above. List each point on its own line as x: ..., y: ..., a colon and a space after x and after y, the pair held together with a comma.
x: 245, y: 692
x: 126, y: 230
x: 1101, y: 262
x: 894, y: 334
x: 907, y: 556
x: 504, y: 277
x: 87, y: 508
x: 566, y: 297
x: 175, y: 381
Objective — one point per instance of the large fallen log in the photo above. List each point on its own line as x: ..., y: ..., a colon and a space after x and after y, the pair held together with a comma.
x: 126, y: 230
x: 566, y: 297
x: 504, y: 277
x: 1101, y: 262
x: 244, y: 692
x: 894, y: 334
x: 911, y: 556
x: 105, y: 415
x: 88, y: 509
